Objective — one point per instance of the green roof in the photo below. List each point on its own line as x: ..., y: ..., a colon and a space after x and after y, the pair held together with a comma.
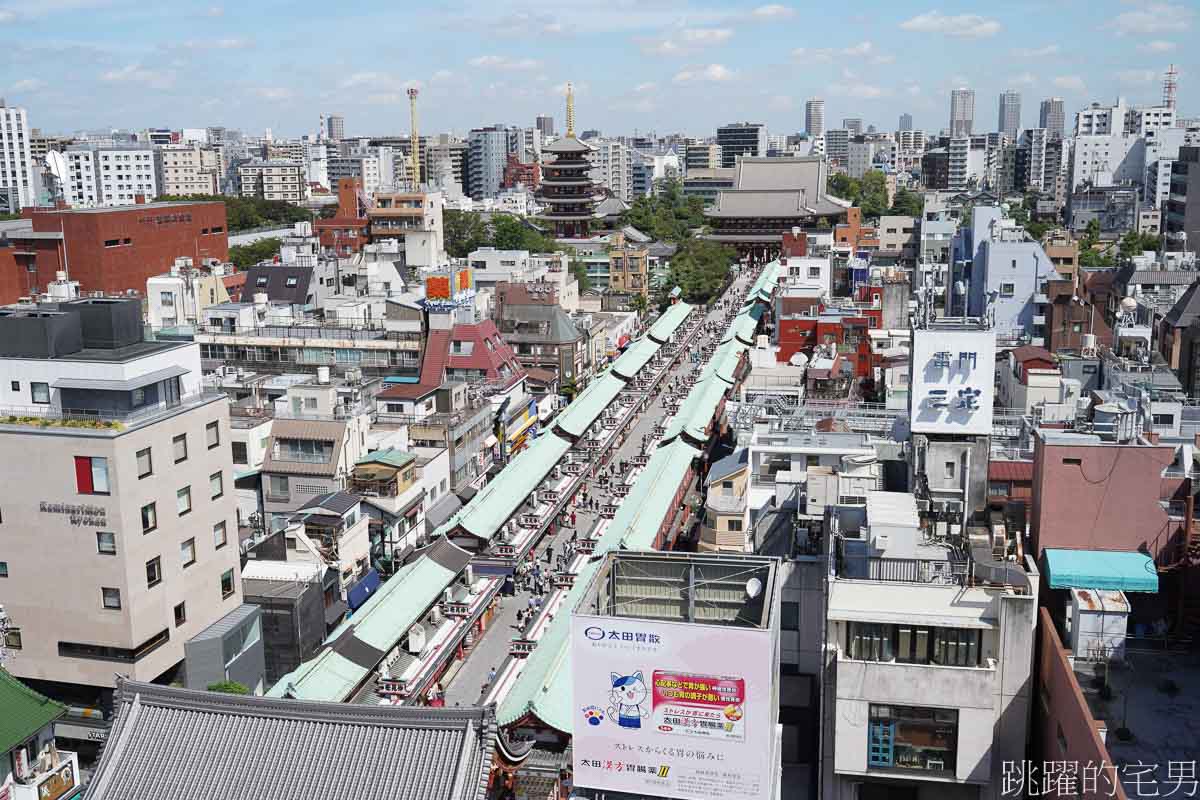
x: 666, y: 325
x: 500, y: 499
x: 381, y: 623
x: 635, y: 358
x: 698, y: 409
x: 391, y: 456
x: 1100, y: 569
x: 577, y: 417
x: 640, y: 527
x: 23, y: 712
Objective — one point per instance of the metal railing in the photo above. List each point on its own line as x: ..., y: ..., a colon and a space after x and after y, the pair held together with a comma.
x: 915, y: 570
x: 49, y: 416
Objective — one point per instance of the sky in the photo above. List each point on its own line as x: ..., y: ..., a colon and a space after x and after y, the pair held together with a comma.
x: 641, y: 66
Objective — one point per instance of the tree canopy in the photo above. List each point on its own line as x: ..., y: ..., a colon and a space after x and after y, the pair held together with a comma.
x: 869, y: 193
x: 700, y: 268
x: 244, y: 213
x: 247, y: 255
x: 229, y: 687
x: 468, y: 230
x: 1134, y: 244
x: 907, y: 203
x: 669, y: 215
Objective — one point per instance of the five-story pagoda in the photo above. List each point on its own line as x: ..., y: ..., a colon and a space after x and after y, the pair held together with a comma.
x: 567, y: 193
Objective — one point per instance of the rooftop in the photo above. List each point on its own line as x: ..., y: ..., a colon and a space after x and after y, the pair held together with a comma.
x: 25, y: 711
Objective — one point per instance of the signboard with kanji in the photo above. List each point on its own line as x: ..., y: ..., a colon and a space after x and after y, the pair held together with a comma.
x: 671, y: 709
x: 437, y: 287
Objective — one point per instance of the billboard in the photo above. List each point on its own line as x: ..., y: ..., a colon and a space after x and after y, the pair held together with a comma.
x: 437, y: 287
x: 462, y: 281
x: 673, y: 709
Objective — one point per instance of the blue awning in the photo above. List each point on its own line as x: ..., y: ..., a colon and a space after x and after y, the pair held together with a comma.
x: 362, y: 590
x: 1099, y: 569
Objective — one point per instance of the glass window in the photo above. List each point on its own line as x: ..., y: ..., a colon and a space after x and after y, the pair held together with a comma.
x: 187, y: 552
x: 91, y: 475
x: 180, y: 445
x: 240, y: 455
x: 277, y: 486
x: 153, y: 572
x: 216, y: 485
x: 145, y: 463
x: 998, y: 488
x: 3, y: 569
x: 212, y: 433
x: 226, y: 583
x: 1008, y: 289
x: 149, y: 518
x: 111, y: 597
x: 106, y: 543
x: 40, y: 393
x: 183, y: 500
x: 904, y: 737
x: 219, y: 537
x: 180, y: 614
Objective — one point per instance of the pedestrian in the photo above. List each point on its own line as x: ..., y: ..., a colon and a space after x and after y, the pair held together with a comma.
x: 492, y: 675
x: 572, y: 519
x: 531, y: 604
x: 539, y: 604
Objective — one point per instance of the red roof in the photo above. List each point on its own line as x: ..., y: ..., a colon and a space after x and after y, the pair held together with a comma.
x: 488, y: 352
x: 433, y: 370
x: 233, y: 284
x: 1029, y: 352
x: 1010, y: 471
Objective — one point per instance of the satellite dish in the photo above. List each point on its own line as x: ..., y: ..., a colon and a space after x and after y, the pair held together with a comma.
x: 57, y: 165
x: 753, y: 588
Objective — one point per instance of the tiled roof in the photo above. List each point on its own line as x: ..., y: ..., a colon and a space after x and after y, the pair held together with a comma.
x: 433, y: 370
x: 1010, y: 470
x: 24, y: 711
x: 192, y: 745
x: 313, y: 430
x: 337, y: 502
x: 1186, y: 309
x: 1029, y: 352
x: 666, y: 325
x: 276, y: 287
x: 589, y: 404
x: 390, y: 456
x: 542, y: 376
x: 482, y: 356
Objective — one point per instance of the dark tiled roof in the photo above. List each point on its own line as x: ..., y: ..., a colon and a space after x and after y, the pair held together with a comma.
x: 277, y: 278
x: 193, y: 745
x: 337, y: 502
x: 312, y: 430
x: 1186, y: 308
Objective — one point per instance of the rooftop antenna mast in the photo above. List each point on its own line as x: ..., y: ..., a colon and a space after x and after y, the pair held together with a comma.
x: 415, y: 145
x: 1170, y: 86
x: 570, y: 111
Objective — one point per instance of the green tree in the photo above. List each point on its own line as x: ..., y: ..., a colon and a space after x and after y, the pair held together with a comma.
x: 873, y: 200
x: 907, y: 203
x: 580, y: 273
x: 568, y: 389
x: 512, y: 233
x: 229, y: 687
x: 639, y: 303
x: 243, y: 213
x: 464, y: 231
x: 1134, y: 243
x: 700, y: 268
x: 247, y: 255
x: 669, y: 215
x: 845, y: 187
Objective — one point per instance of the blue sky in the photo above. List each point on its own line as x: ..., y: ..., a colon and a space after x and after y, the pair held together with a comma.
x: 645, y: 65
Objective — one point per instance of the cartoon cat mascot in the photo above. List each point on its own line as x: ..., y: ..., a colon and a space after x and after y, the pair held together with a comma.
x: 627, y: 696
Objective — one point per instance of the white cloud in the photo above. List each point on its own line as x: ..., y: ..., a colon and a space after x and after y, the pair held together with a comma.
x: 883, y: 58
x: 214, y: 11
x: 272, y: 92
x: 705, y: 35
x: 642, y: 88
x: 823, y: 55
x: 504, y: 62
x: 386, y: 99
x: 912, y: 89
x: 686, y: 40
x: 966, y: 26
x: 27, y: 85
x: 1157, y: 46
x: 362, y: 79
x: 1072, y: 83
x: 711, y: 72
x: 136, y: 73
x: 773, y: 11
x: 7, y: 16
x: 1152, y: 18
x: 1037, y: 52
x: 1024, y: 79
x: 228, y: 43
x: 1136, y: 76
x: 860, y: 49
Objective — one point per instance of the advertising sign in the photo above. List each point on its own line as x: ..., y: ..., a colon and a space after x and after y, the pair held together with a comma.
x: 462, y: 281
x: 437, y: 287
x: 673, y: 709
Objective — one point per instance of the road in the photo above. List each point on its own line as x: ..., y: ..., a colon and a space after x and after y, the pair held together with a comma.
x: 471, y: 684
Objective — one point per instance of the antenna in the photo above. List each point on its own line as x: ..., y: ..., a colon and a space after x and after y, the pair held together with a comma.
x: 1170, y: 86
x: 570, y: 111
x: 415, y: 146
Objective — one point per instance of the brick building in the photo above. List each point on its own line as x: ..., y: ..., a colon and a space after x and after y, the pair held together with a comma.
x: 347, y: 231
x: 517, y: 172
x: 115, y: 249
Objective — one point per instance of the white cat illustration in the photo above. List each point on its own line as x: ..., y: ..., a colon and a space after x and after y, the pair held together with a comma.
x: 627, y: 696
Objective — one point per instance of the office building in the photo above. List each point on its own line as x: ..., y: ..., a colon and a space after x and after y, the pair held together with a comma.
x: 114, y: 175
x: 854, y: 125
x: 1182, y: 222
x: 814, y: 117
x: 962, y: 112
x: 906, y: 122
x: 698, y: 154
x: 837, y: 146
x: 1052, y: 117
x: 272, y: 180
x: 187, y: 169
x: 1010, y: 113
x: 741, y: 139
x: 487, y: 155
x: 16, y: 161
x: 545, y: 125
x: 335, y: 127
x: 124, y: 448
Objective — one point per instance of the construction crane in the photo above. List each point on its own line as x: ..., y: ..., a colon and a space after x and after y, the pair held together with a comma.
x: 415, y: 147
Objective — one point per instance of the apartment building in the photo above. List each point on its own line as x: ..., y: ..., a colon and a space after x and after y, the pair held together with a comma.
x: 309, y: 455
x: 16, y: 167
x: 698, y: 154
x: 272, y: 180
x: 628, y: 270
x: 119, y: 515
x: 487, y: 153
x: 814, y: 117
x: 187, y: 169
x: 612, y: 168
x: 180, y: 296
x: 109, y: 175
x: 414, y: 220
x: 1101, y: 120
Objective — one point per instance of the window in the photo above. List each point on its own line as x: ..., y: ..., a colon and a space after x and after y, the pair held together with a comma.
x: 1074, y: 462
x: 291, y: 282
x: 153, y: 572
x: 733, y: 525
x: 106, y: 543
x: 179, y: 443
x: 111, y: 598
x: 998, y: 488
x: 183, y: 500
x: 904, y: 737
x: 180, y: 614
x: 212, y: 434
x: 1008, y: 289
x: 913, y: 644
x: 216, y: 485
x: 240, y: 455
x: 3, y: 569
x: 149, y: 518
x: 1164, y: 419
x: 220, y: 539
x: 790, y: 619
x: 166, y: 299
x: 187, y: 553
x: 261, y: 280
x: 12, y: 639
x: 145, y: 464
x: 277, y: 487
x: 814, y: 272
x: 16, y: 386
x: 226, y: 583
x: 950, y: 465
x: 91, y: 475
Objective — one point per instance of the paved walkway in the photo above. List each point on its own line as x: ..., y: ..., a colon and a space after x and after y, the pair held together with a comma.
x: 491, y: 651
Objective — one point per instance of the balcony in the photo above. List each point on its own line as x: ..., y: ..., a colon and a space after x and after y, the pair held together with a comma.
x: 89, y: 421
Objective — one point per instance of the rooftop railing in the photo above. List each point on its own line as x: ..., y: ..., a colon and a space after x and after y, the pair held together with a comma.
x: 99, y: 419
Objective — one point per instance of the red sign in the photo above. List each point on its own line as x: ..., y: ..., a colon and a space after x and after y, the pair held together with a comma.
x: 437, y: 287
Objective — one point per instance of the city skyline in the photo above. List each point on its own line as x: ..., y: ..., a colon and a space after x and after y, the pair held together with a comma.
x: 674, y: 67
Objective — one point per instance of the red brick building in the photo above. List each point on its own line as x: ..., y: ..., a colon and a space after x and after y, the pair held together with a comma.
x: 347, y: 231
x: 115, y: 249
x: 847, y: 331
x: 516, y: 172
x: 12, y: 283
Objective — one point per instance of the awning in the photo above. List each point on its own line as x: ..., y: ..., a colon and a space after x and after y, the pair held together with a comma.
x: 361, y: 591
x: 1099, y: 569
x: 126, y: 385
x: 490, y: 441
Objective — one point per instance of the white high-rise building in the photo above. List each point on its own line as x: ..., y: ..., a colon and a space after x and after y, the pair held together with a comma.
x: 962, y: 112
x: 17, y: 188
x: 110, y: 175
x: 1010, y: 113
x: 612, y: 167
x: 187, y: 169
x: 814, y: 117
x: 1098, y: 120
